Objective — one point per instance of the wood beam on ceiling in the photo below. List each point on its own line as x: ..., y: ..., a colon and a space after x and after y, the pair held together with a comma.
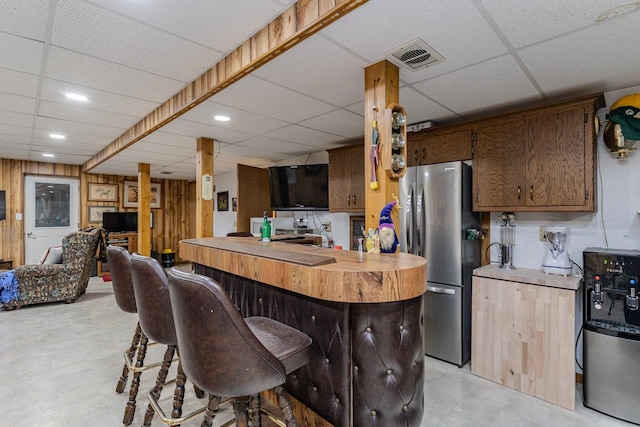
x: 298, y: 22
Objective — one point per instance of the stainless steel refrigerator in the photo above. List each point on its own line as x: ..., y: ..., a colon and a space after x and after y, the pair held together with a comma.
x: 435, y: 215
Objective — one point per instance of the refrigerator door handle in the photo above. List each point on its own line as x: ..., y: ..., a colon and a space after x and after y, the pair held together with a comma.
x: 438, y: 290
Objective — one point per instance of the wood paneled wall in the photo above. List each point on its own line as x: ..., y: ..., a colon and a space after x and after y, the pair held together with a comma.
x: 171, y: 223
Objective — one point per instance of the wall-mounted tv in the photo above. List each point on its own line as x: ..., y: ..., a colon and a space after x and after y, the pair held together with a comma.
x: 3, y: 205
x: 118, y: 222
x: 301, y: 188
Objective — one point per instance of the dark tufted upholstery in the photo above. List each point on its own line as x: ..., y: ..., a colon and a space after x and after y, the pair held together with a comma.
x: 119, y: 263
x: 341, y: 343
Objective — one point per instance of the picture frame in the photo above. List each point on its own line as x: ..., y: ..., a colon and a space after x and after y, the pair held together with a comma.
x: 356, y: 225
x: 95, y: 213
x: 223, y: 201
x: 102, y: 192
x: 130, y: 194
x: 234, y: 204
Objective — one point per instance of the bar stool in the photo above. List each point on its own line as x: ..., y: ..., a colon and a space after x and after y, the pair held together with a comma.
x: 120, y: 269
x: 156, y: 320
x: 226, y: 355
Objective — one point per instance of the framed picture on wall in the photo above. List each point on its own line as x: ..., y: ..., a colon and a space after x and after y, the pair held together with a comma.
x: 223, y: 201
x: 103, y: 192
x: 95, y: 212
x: 131, y: 195
x: 356, y: 227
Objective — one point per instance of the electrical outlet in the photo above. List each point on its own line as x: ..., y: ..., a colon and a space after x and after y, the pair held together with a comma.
x: 326, y: 226
x: 541, y: 234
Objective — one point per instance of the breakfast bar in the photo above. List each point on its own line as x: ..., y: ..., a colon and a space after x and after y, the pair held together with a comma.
x: 364, y: 315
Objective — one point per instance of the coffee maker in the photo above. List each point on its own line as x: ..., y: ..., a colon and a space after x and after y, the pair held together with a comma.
x: 556, y: 259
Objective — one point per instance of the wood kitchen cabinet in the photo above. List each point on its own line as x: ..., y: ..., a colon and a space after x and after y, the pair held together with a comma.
x: 346, y: 179
x: 448, y: 144
x: 538, y: 160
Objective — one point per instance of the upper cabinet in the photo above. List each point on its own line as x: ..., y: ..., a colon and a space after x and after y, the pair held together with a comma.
x: 346, y: 179
x: 448, y: 144
x: 538, y: 160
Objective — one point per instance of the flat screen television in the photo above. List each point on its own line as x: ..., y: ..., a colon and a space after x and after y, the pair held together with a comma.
x: 118, y: 222
x: 301, y: 188
x: 3, y: 206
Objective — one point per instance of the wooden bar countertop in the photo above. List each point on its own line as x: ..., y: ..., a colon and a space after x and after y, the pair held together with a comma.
x: 529, y: 276
x: 323, y: 273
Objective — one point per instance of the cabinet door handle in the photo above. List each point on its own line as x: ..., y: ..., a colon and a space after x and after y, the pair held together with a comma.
x: 354, y: 199
x: 519, y: 192
x: 349, y: 200
x: 415, y: 156
x: 531, y: 193
x: 424, y: 155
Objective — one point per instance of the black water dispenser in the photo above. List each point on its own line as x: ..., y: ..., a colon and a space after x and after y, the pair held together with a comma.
x: 611, y: 344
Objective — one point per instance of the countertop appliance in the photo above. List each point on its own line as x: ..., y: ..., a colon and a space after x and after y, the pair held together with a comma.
x: 556, y: 258
x: 435, y: 213
x: 611, y: 344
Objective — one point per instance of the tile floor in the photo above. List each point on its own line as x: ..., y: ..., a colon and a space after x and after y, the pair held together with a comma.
x: 59, y: 365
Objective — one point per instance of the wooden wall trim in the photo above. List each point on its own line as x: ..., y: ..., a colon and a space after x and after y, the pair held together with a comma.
x: 300, y: 21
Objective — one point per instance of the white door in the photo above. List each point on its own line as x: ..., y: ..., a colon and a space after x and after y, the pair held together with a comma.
x: 51, y: 211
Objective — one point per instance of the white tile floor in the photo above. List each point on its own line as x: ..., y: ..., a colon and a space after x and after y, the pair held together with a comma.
x: 59, y: 365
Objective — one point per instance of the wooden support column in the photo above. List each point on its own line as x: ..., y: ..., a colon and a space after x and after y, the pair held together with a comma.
x: 381, y: 88
x: 204, y: 208
x: 144, y: 209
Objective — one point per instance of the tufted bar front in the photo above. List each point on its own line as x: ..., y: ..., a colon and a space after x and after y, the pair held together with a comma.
x: 367, y: 360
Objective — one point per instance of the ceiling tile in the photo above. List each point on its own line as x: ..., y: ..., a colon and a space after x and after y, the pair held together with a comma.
x: 18, y: 83
x: 69, y: 159
x: 338, y: 81
x: 592, y: 57
x: 256, y: 152
x: 64, y: 148
x: 304, y: 135
x: 17, y: 104
x: 95, y: 31
x: 17, y: 119
x: 524, y: 22
x: 197, y: 130
x: 95, y: 73
x: 444, y: 25
x: 498, y: 82
x: 153, y: 147
x: 75, y: 113
x: 13, y: 144
x: 30, y: 58
x: 26, y: 18
x: 91, y: 140
x: 284, y: 148
x: 420, y: 108
x: 262, y: 97
x: 241, y: 121
x: 192, y: 19
x: 64, y: 126
x: 338, y: 122
x: 54, y: 90
x: 8, y: 130
x: 167, y: 138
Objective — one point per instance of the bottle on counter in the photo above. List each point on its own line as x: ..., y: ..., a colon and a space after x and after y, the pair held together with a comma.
x: 266, y: 228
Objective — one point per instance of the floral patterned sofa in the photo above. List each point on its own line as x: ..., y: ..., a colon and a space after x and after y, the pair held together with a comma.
x: 41, y: 283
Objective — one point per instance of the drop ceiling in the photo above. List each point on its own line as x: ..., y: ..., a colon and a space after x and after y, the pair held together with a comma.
x: 129, y: 56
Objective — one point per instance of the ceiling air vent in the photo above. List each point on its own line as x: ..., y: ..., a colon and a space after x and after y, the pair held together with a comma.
x: 414, y: 55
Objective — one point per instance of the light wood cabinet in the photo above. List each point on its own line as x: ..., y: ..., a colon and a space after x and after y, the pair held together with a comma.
x: 523, y: 333
x: 346, y: 179
x: 539, y: 160
x: 430, y: 146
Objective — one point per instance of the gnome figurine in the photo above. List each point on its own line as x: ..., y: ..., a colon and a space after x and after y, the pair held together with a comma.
x: 388, y: 238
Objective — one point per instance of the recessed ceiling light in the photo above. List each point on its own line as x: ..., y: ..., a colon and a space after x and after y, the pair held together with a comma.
x: 47, y: 155
x: 222, y: 118
x: 57, y: 136
x: 76, y: 96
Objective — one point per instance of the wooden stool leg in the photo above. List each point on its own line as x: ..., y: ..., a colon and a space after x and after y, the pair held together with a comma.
x: 130, y: 410
x: 254, y: 411
x: 241, y: 406
x: 122, y: 382
x: 210, y: 412
x: 160, y: 380
x: 178, y: 395
x: 285, y: 407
